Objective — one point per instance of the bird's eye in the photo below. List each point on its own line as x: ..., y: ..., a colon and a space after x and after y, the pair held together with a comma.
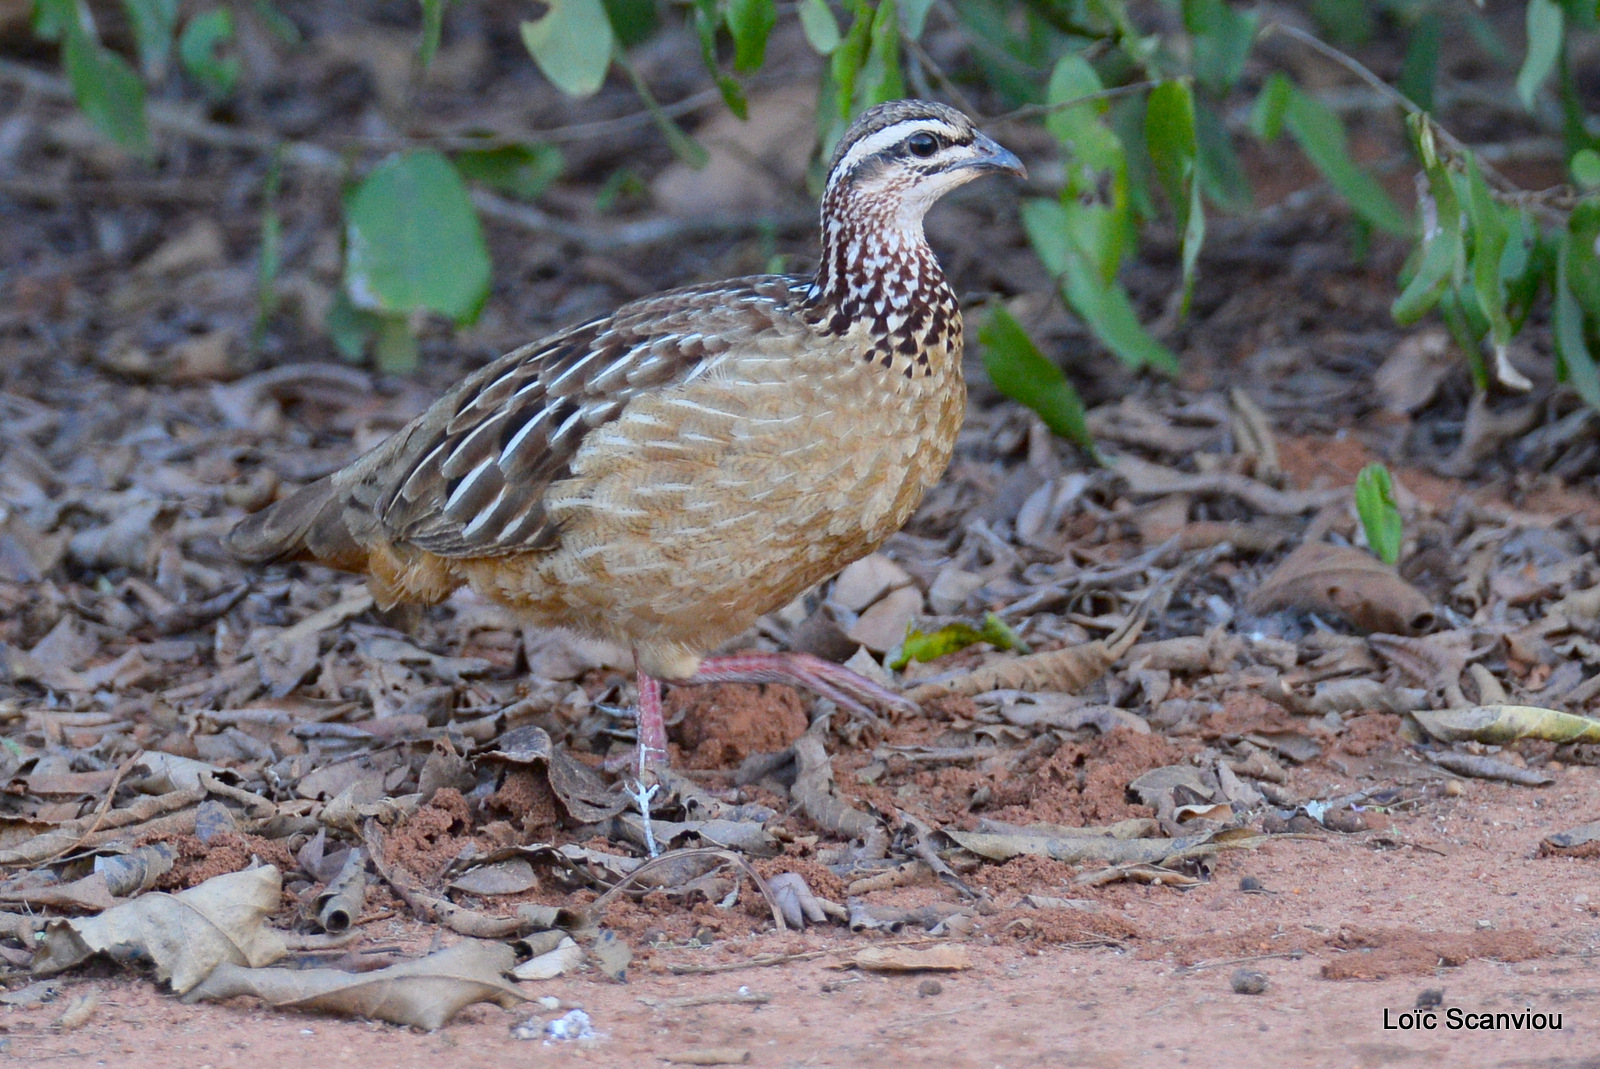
x: 923, y: 145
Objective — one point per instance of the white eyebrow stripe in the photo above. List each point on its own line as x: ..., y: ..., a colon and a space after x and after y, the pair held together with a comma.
x: 892, y: 135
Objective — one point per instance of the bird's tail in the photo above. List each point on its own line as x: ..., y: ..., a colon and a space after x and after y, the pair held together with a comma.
x: 309, y: 523
x: 321, y: 522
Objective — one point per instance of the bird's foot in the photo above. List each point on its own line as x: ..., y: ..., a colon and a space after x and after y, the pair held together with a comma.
x: 642, y: 797
x: 839, y: 684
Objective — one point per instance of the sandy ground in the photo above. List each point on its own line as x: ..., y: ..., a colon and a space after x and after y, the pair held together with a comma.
x: 1459, y: 876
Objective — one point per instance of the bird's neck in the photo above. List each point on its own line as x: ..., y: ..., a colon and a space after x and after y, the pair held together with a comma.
x: 877, y: 268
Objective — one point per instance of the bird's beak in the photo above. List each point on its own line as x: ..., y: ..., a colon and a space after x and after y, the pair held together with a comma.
x: 992, y: 156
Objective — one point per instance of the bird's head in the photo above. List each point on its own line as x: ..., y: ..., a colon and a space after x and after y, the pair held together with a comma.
x: 902, y: 156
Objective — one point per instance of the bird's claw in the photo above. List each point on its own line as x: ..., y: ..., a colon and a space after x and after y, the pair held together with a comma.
x: 641, y: 796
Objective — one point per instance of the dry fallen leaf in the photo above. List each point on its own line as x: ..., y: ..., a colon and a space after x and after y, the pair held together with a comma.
x: 1497, y: 725
x: 424, y: 993
x: 340, y: 903
x: 187, y: 935
x: 1069, y: 669
x: 1350, y: 582
x: 1076, y: 849
x: 1571, y: 840
x: 566, y: 956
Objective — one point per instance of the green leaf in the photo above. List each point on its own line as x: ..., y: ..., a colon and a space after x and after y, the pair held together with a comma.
x: 277, y: 24
x: 413, y: 241
x: 1169, y: 134
x: 1222, y: 39
x: 1420, y: 68
x: 394, y: 347
x: 1442, y: 256
x: 198, y: 49
x: 1571, y: 345
x: 1079, y: 243
x: 1106, y: 308
x: 153, y: 22
x: 349, y: 327
x: 1585, y: 166
x: 572, y: 45
x: 1221, y: 174
x: 524, y: 171
x: 1546, y: 30
x: 1272, y: 103
x: 1170, y: 137
x: 1081, y: 128
x: 1583, y: 268
x: 879, y: 79
x: 1097, y: 235
x: 1380, y: 516
x: 622, y: 183
x: 634, y: 21
x: 53, y: 18
x: 1020, y: 371
x: 107, y: 89
x: 821, y: 28
x: 847, y: 59
x: 1048, y: 231
x: 1321, y: 136
x: 707, y: 18
x: 952, y: 638
x: 1582, y: 14
x: 1348, y: 22
x: 432, y: 27
x: 750, y: 22
x: 1489, y: 234
x: 913, y: 16
x: 1194, y: 238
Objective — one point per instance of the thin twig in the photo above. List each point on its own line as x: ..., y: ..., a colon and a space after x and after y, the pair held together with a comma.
x: 1292, y: 955
x: 762, y: 961
x: 100, y: 811
x: 1033, y: 111
x: 598, y: 906
x: 944, y: 79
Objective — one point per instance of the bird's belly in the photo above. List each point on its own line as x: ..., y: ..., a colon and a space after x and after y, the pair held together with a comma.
x: 701, y: 509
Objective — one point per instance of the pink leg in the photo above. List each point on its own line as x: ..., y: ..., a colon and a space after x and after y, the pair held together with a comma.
x: 835, y: 682
x: 652, y: 728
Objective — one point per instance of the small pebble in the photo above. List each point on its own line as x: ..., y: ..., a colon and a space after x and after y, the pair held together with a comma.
x: 1453, y: 789
x: 1248, y: 982
x: 549, y: 1002
x: 1430, y: 998
x: 1250, y: 883
x: 929, y: 988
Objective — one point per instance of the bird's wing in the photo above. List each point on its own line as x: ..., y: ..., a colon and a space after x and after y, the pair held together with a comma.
x: 467, y: 478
